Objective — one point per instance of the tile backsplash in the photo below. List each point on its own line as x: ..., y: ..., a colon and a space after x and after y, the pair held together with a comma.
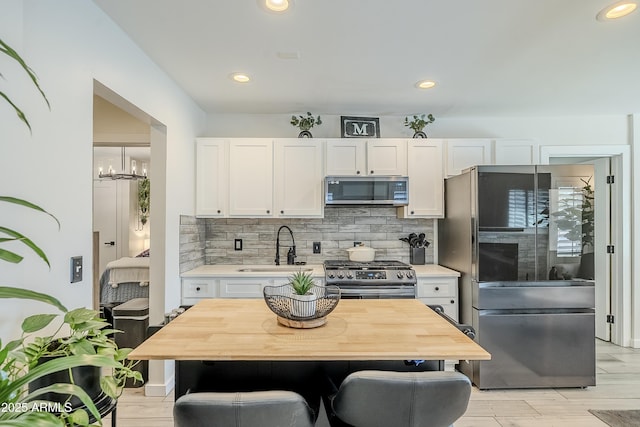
x: 211, y: 240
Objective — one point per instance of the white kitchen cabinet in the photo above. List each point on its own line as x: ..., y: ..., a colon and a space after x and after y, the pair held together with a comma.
x: 346, y: 157
x: 212, y: 183
x: 243, y: 287
x: 251, y: 177
x: 516, y: 152
x: 196, y: 288
x: 387, y: 157
x: 298, y: 185
x: 355, y: 156
x: 426, y: 180
x: 439, y: 291
x: 466, y: 152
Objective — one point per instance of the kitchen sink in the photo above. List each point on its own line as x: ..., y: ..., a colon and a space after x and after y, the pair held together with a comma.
x: 283, y: 269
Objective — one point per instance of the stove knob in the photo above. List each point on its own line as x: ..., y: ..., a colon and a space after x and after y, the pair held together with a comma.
x: 409, y: 275
x: 331, y: 276
x: 400, y: 275
x: 349, y: 275
x: 340, y: 275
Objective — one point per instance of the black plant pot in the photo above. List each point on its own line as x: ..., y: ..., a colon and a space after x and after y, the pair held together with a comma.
x: 85, y: 377
x: 305, y: 134
x: 419, y: 134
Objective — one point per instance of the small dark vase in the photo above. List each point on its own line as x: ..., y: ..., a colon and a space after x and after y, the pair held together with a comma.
x: 419, y: 134
x: 305, y: 134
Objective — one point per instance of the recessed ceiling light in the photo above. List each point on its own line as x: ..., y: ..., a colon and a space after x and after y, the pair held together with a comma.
x: 617, y: 10
x: 276, y: 5
x: 425, y: 84
x: 240, y: 77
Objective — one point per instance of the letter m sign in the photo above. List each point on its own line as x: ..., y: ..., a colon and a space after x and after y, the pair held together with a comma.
x: 360, y: 127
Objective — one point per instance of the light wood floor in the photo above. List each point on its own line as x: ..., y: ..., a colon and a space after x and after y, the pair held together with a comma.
x: 618, y: 387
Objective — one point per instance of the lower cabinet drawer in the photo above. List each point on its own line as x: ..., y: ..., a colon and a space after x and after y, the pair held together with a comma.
x: 242, y: 288
x: 436, y: 289
x: 199, y: 288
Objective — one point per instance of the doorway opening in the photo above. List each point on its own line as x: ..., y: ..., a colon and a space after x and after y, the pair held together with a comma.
x: 126, y: 137
x: 612, y: 273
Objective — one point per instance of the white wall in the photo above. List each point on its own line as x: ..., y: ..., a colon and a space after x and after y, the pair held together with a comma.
x: 547, y: 130
x: 70, y: 43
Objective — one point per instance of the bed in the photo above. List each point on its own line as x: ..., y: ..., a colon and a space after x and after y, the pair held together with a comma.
x: 124, y: 279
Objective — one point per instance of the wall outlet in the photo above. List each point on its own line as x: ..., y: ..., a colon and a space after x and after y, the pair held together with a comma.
x: 316, y: 247
x: 76, y: 269
x: 237, y: 244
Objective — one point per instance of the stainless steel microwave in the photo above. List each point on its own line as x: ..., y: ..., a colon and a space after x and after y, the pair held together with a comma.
x: 366, y: 190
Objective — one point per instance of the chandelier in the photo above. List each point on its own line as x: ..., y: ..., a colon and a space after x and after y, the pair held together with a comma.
x: 110, y: 172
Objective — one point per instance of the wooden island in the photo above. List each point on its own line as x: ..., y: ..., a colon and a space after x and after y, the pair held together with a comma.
x: 245, y: 330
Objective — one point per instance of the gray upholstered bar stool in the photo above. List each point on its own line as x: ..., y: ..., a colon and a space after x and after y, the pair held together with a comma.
x: 243, y: 409
x: 399, y: 399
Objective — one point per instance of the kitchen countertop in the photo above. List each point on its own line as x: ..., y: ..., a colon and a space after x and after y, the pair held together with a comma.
x: 317, y: 270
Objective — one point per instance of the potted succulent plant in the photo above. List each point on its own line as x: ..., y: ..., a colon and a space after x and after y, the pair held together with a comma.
x: 303, y: 301
x: 305, y: 123
x: 418, y: 123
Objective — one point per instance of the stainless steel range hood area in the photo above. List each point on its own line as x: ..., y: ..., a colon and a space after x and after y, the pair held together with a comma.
x: 366, y: 190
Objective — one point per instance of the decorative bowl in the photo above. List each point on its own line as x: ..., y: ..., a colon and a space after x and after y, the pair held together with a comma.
x: 301, y: 310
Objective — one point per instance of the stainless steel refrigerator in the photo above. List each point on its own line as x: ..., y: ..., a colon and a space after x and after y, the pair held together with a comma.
x: 520, y: 236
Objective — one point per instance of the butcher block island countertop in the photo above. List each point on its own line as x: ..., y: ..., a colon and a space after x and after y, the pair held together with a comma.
x: 245, y: 329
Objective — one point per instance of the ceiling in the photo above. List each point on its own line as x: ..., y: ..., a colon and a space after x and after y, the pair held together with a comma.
x: 488, y: 58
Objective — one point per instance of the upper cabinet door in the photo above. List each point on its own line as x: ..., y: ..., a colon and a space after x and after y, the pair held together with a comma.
x: 251, y: 177
x: 211, y: 177
x: 517, y: 152
x: 299, y: 177
x: 426, y: 180
x: 346, y: 157
x: 387, y: 157
x: 464, y: 153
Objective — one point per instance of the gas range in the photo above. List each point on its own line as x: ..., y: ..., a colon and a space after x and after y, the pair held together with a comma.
x: 375, y: 279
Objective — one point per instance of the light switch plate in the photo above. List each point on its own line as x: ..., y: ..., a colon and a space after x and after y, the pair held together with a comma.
x: 237, y: 244
x: 76, y: 269
x: 316, y: 247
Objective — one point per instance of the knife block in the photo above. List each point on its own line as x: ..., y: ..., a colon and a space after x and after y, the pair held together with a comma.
x: 416, y: 256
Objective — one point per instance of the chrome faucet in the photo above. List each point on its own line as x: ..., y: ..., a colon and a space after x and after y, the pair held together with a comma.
x: 291, y: 255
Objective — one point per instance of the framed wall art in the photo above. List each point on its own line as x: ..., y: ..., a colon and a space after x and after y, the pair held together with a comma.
x: 359, y: 127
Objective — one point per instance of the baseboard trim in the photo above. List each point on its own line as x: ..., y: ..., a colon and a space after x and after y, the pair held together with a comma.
x: 635, y: 343
x: 160, y: 389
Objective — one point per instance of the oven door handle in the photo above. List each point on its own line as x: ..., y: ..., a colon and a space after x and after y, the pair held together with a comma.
x: 381, y: 290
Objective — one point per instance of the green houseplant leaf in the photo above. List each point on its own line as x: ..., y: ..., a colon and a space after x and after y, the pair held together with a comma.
x: 11, y: 53
x: 13, y: 257
x: 11, y: 292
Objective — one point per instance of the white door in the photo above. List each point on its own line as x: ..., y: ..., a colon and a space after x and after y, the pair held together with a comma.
x: 105, y: 220
x: 602, y: 238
